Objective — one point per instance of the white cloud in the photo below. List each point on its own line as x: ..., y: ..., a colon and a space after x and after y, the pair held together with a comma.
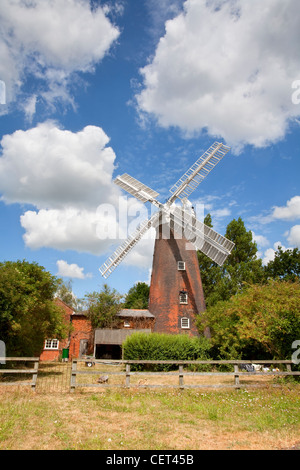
x: 294, y: 236
x: 220, y: 213
x: 51, y: 167
x: 289, y: 212
x: 260, y: 240
x: 30, y: 107
x: 220, y: 68
x: 67, y: 177
x: 269, y: 254
x: 51, y: 38
x: 63, y: 229
x: 70, y: 270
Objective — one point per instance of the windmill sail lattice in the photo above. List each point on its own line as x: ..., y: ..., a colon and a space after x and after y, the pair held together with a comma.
x: 136, y: 188
x: 203, y: 238
x: 196, y: 174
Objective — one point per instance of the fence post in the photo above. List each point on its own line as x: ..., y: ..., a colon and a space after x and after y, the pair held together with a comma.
x: 181, y: 384
x: 128, y: 375
x: 34, y: 375
x: 236, y: 376
x: 73, y: 375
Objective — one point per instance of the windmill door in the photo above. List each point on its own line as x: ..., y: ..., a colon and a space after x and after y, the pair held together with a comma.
x: 83, y: 347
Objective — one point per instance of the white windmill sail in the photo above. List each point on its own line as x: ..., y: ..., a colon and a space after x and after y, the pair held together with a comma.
x: 198, y: 171
x: 204, y: 238
x: 136, y: 188
x: 115, y: 259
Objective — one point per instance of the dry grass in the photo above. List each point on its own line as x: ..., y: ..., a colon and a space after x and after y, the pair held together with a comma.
x: 105, y: 419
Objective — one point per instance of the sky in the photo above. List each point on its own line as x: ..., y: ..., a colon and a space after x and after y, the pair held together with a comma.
x: 90, y: 90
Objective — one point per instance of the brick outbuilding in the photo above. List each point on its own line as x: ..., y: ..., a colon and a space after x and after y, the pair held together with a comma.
x: 83, y: 340
x: 108, y: 341
x: 53, y: 348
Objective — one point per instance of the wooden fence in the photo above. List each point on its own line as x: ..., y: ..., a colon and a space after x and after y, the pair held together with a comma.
x: 66, y: 377
x: 33, y: 371
x: 181, y: 373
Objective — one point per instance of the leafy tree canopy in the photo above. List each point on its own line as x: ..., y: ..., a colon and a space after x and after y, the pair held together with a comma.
x: 241, y: 267
x: 137, y: 296
x: 65, y: 293
x: 103, y: 306
x: 28, y: 314
x: 286, y: 265
x: 261, y: 322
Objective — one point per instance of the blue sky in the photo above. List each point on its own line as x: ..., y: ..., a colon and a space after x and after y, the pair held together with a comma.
x: 90, y: 90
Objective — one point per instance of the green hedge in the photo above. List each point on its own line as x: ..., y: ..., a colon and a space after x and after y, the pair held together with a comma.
x: 164, y: 347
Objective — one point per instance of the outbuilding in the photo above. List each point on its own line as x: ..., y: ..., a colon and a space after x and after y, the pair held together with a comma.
x: 108, y: 342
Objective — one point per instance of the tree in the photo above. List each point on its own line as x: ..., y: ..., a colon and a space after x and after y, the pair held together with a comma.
x: 285, y: 266
x: 241, y: 268
x: 211, y: 273
x: 138, y: 296
x: 245, y: 248
x: 28, y: 314
x: 103, y: 307
x: 65, y: 293
x: 262, y: 322
x: 242, y: 265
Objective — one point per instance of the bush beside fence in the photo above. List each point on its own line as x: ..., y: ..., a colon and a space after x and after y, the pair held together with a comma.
x: 163, y: 347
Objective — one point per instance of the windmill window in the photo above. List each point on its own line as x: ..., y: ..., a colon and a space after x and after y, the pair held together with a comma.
x: 183, y: 297
x: 185, y: 322
x: 51, y: 344
x: 181, y: 266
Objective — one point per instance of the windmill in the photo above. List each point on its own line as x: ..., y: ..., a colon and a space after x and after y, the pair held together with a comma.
x: 166, y: 285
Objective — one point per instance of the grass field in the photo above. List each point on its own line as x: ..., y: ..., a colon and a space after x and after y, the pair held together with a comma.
x: 115, y: 419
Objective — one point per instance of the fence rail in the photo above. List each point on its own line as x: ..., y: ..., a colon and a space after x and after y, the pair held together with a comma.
x: 181, y: 373
x: 66, y: 377
x: 33, y: 371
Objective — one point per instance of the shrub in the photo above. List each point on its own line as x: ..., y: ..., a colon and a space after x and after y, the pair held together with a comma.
x: 164, y: 347
x: 263, y: 322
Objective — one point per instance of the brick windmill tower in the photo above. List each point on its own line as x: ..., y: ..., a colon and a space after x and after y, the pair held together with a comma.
x: 176, y: 294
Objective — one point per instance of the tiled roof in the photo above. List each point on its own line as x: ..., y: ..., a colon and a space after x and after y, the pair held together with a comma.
x: 135, y: 313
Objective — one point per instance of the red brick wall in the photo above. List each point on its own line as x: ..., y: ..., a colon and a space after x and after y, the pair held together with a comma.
x: 136, y: 323
x: 50, y: 355
x: 82, y: 329
x: 167, y: 282
x: 55, y: 354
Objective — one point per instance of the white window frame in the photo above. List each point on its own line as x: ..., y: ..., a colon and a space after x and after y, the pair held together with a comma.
x: 126, y: 324
x: 183, y: 298
x: 185, y: 323
x: 181, y: 265
x: 51, y: 344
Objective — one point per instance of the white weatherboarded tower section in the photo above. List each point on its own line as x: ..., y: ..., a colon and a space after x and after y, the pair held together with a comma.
x: 180, y: 218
